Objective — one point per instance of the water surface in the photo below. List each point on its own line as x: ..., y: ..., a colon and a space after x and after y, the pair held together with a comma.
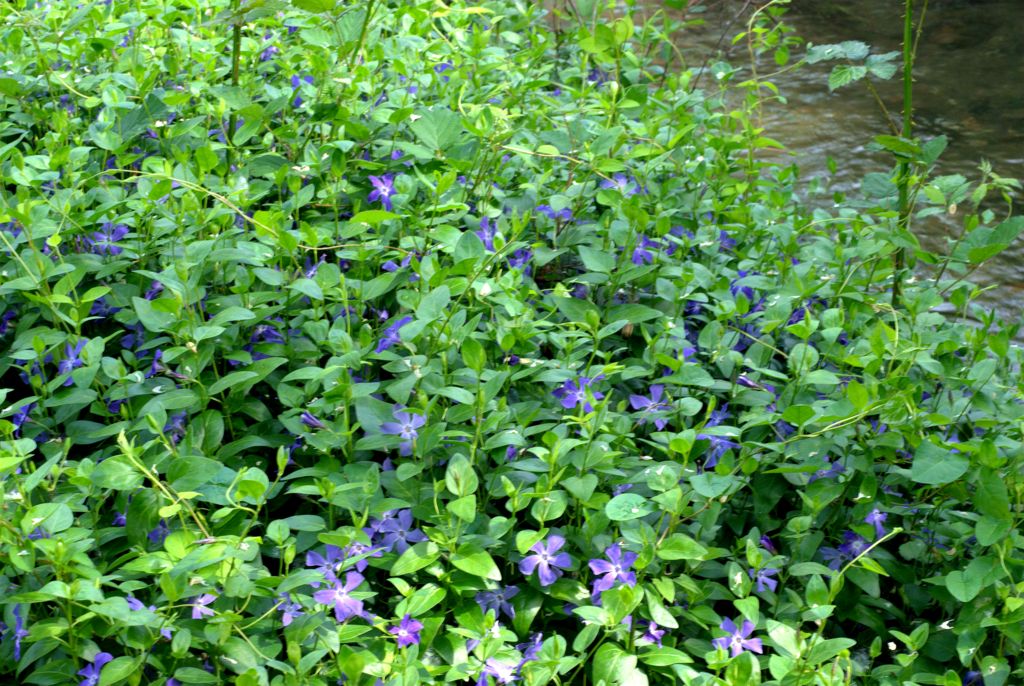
x: 969, y: 86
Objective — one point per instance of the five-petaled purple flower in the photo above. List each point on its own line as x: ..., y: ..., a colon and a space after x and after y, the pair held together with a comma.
x: 719, y: 446
x: 498, y: 600
x: 487, y: 232
x: 345, y: 606
x: 877, y: 518
x: 104, y: 241
x: 405, y: 426
x: 763, y: 578
x: 642, y: 253
x: 738, y: 639
x: 71, y: 359
x: 651, y: 405
x: 853, y: 545
x: 397, y: 533
x: 289, y: 609
x: 383, y: 189
x: 199, y: 606
x: 546, y: 559
x: 573, y: 393
x: 503, y: 672
x: 615, y: 569
x: 391, y: 335
x: 654, y: 634
x: 407, y: 631
x: 621, y: 183
x: 92, y: 672
x: 564, y: 214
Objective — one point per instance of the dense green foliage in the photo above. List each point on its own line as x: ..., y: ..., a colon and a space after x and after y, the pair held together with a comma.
x: 411, y: 342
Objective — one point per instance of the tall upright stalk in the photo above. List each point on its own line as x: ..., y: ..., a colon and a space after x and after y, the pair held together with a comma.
x: 236, y: 49
x: 903, y: 222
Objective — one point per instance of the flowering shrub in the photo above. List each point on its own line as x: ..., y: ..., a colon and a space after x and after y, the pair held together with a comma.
x: 404, y: 342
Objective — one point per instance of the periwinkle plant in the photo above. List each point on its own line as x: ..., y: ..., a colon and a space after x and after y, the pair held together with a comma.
x: 325, y: 357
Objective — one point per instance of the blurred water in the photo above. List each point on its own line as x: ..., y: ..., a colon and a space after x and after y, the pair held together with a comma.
x: 969, y: 85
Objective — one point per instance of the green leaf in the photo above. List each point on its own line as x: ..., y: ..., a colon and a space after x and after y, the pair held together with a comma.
x: 51, y: 517
x: 828, y: 649
x: 474, y: 560
x: 845, y: 74
x: 627, y: 506
x: 116, y: 473
x: 438, y: 129
x: 416, y: 558
x: 433, y: 305
x: 963, y: 586
x: 597, y: 260
x: 119, y: 669
x: 153, y: 319
x: 229, y: 380
x: 935, y: 466
x: 194, y: 675
x: 681, y: 547
x: 373, y: 217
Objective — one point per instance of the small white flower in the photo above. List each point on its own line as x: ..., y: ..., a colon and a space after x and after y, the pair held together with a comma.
x: 891, y: 645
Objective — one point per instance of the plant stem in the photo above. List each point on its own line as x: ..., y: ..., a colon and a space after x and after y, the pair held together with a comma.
x: 236, y: 49
x: 903, y: 223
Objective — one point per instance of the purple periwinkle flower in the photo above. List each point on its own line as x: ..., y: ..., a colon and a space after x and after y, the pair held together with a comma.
x: 654, y: 634
x: 763, y: 578
x: 725, y: 241
x: 853, y: 545
x: 877, y: 518
x: 973, y: 678
x: 383, y: 189
x: 615, y: 570
x: 642, y: 252
x: 397, y: 533
x: 289, y: 609
x: 767, y: 544
x: 159, y: 533
x: 621, y: 183
x: 5, y: 319
x: 564, y: 214
x: 574, y: 393
x: 329, y: 562
x: 104, y: 241
x: 520, y: 259
x: 407, y: 631
x: 546, y: 559
x: 345, y: 606
x: 738, y: 639
x: 71, y: 359
x: 652, y: 405
x: 92, y: 672
x: 20, y: 631
x: 297, y: 82
x: 719, y: 446
x: 310, y: 420
x: 199, y: 606
x: 503, y: 672
x: 405, y: 426
x: 830, y: 471
x: 488, y: 230
x: 391, y: 335
x: 498, y: 600
x: 119, y: 519
x: 530, y: 649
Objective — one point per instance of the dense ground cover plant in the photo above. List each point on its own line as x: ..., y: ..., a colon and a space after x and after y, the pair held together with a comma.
x: 413, y: 342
